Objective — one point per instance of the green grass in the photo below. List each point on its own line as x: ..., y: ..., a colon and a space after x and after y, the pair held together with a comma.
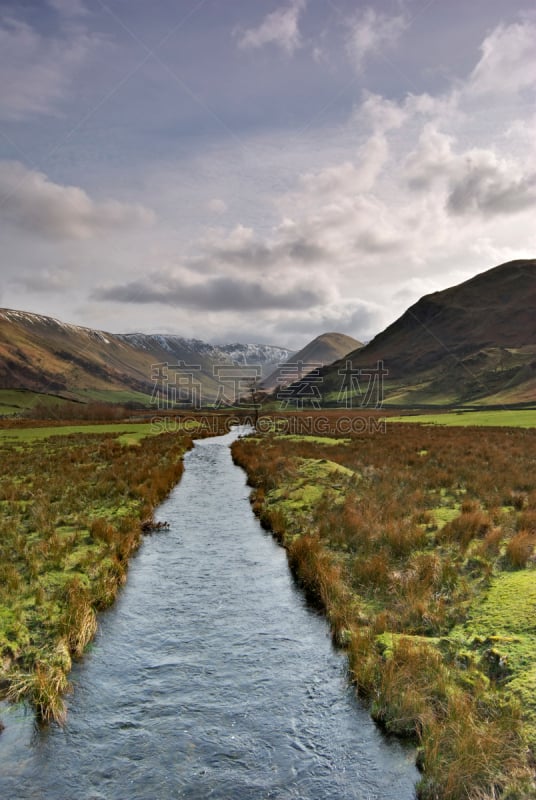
x: 130, y: 433
x: 118, y: 396
x: 329, y: 440
x: 305, y: 486
x: 502, y: 625
x: 18, y: 401
x: 525, y: 418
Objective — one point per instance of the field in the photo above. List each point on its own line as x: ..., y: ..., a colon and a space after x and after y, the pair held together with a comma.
x: 74, y: 501
x: 418, y: 543
x: 19, y: 401
x: 525, y: 418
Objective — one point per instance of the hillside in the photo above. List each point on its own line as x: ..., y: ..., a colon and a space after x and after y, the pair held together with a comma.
x: 472, y: 343
x: 44, y: 355
x: 321, y: 351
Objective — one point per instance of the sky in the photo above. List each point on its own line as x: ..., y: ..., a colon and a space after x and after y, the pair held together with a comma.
x: 260, y: 170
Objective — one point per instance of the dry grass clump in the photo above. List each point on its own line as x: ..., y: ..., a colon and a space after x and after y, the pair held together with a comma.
x: 520, y: 549
x: 44, y: 687
x: 462, y: 530
x: 470, y: 752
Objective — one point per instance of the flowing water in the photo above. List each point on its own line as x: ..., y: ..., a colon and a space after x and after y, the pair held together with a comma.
x: 209, y: 678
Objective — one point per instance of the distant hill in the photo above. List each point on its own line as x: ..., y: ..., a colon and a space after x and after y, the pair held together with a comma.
x: 471, y: 343
x: 45, y: 355
x: 324, y: 350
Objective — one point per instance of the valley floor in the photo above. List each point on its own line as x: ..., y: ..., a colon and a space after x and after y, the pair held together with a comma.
x: 418, y: 541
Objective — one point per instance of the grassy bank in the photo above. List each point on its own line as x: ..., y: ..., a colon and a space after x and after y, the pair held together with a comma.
x: 419, y: 545
x: 72, y: 504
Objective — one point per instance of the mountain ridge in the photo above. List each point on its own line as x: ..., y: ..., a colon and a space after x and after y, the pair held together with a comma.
x: 45, y: 355
x: 466, y: 343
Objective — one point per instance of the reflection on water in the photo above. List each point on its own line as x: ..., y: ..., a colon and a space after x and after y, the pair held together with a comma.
x: 210, y: 677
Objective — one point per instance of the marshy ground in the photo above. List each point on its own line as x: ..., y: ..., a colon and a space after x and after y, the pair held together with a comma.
x: 72, y: 506
x: 419, y: 544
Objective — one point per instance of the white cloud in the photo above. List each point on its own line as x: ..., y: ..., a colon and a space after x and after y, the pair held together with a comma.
x: 508, y: 60
x: 382, y: 114
x: 36, y: 70
x: 280, y: 28
x: 372, y: 31
x: 432, y: 159
x: 217, y: 206
x: 476, y: 180
x: 32, y: 202
x: 491, y: 185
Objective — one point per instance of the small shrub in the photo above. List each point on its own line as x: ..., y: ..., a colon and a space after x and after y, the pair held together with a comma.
x: 465, y: 527
x: 520, y: 549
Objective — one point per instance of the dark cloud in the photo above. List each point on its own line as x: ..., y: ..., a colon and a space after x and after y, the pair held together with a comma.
x: 373, y: 242
x: 260, y: 254
x: 490, y: 191
x: 218, y: 294
x: 34, y: 203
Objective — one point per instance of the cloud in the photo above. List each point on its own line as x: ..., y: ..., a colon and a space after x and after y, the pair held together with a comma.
x: 37, y: 71
x: 241, y: 248
x: 508, y: 62
x: 216, y: 294
x: 30, y: 201
x: 474, y: 181
x: 280, y: 28
x: 217, y: 206
x: 382, y: 115
x: 371, y: 32
x: 490, y: 186
x: 47, y: 281
x: 432, y: 159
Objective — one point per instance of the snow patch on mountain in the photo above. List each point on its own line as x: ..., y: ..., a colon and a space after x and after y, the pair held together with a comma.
x: 236, y: 352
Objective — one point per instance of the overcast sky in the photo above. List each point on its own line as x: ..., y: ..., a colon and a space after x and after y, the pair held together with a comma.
x: 260, y: 170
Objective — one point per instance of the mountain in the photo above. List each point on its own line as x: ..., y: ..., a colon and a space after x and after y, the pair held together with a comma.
x: 44, y: 355
x: 325, y: 349
x: 472, y: 343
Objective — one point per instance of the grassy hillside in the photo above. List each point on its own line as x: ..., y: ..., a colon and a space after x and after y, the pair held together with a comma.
x: 471, y: 343
x: 48, y: 357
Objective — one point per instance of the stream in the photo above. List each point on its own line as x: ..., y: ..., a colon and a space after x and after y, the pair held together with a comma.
x: 209, y: 678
